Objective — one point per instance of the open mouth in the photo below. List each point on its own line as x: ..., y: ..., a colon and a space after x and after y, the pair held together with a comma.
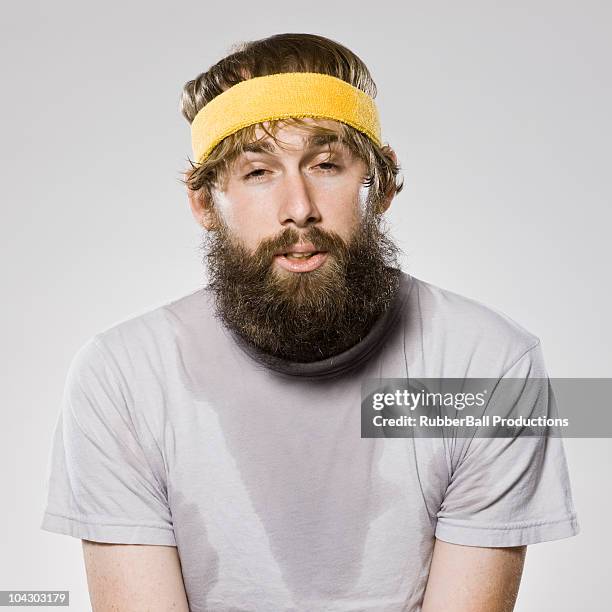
x: 301, y: 255
x: 301, y: 262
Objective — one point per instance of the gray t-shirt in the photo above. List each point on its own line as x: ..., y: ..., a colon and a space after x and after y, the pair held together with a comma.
x: 173, y: 432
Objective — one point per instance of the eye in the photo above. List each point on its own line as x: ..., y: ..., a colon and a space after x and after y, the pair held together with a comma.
x: 331, y: 166
x: 254, y: 174
x: 259, y: 173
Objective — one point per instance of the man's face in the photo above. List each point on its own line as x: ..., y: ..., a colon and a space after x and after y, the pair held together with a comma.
x: 297, y: 185
x: 296, y: 259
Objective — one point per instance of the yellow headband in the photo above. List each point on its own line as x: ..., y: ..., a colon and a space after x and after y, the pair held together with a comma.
x: 281, y: 95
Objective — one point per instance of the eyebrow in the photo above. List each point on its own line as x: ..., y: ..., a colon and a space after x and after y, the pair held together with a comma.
x: 313, y: 141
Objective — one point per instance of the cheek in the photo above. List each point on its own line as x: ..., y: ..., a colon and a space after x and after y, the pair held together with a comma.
x: 246, y: 220
x: 346, y: 220
x: 363, y: 197
x: 249, y: 229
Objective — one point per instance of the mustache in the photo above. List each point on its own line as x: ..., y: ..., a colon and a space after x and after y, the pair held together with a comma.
x: 322, y: 240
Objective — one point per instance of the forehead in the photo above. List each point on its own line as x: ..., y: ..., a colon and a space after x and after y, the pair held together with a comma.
x: 312, y: 141
x: 294, y: 137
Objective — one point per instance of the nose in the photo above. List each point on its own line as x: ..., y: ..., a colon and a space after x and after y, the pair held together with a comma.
x: 298, y: 207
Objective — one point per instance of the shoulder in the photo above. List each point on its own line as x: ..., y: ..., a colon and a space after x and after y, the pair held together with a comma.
x: 148, y: 337
x: 461, y: 325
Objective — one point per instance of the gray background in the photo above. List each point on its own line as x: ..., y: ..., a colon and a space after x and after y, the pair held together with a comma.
x: 499, y: 113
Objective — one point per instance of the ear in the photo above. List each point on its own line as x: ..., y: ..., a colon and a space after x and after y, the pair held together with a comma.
x: 201, y: 207
x: 388, y: 197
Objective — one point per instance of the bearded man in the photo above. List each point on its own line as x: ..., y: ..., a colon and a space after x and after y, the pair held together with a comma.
x: 209, y: 453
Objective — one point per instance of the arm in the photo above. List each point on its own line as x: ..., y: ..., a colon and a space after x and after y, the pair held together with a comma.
x: 136, y: 577
x: 473, y: 579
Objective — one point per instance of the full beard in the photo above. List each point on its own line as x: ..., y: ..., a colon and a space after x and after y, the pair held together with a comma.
x: 303, y: 316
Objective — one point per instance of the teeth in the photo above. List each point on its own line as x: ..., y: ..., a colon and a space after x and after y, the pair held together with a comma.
x: 298, y: 255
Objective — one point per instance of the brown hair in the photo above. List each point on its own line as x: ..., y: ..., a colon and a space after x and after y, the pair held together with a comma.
x: 285, y: 53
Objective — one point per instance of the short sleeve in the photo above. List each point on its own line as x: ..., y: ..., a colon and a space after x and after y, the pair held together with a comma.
x: 100, y: 484
x: 510, y: 491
